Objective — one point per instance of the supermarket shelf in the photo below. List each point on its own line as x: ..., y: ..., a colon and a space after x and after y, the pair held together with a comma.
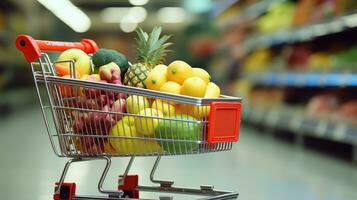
x: 293, y: 79
x: 300, y: 123
x: 305, y: 33
x: 251, y: 12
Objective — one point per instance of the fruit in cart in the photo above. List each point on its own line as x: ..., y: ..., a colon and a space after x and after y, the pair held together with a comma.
x: 130, y: 143
x: 147, y: 122
x: 201, y: 73
x: 106, y: 56
x: 63, y: 70
x: 151, y: 51
x: 110, y: 73
x: 187, y: 130
x: 166, y: 108
x: 65, y: 89
x: 194, y: 86
x: 129, y: 120
x: 171, y: 87
x: 91, y: 92
x: 178, y: 71
x: 199, y: 112
x: 119, y: 108
x: 136, y: 103
x: 81, y: 60
x: 156, y: 78
x: 212, y: 91
x: 108, y: 148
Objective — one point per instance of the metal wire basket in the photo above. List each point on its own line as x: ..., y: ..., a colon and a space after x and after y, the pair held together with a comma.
x: 81, y: 125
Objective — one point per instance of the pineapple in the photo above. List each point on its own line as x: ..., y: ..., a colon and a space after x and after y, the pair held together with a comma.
x: 151, y: 50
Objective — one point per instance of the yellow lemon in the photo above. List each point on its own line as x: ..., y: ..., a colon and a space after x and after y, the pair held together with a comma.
x: 136, y: 103
x: 171, y: 87
x: 160, y: 67
x: 156, y: 78
x: 194, y: 86
x: 166, y: 108
x: 201, y: 73
x: 212, y: 91
x: 146, y: 123
x: 178, y: 71
x: 131, y: 143
x: 129, y: 120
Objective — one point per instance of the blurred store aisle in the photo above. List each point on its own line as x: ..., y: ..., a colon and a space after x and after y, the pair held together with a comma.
x: 258, y: 167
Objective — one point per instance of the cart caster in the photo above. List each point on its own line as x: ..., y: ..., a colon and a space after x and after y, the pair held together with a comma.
x: 129, y: 186
x: 67, y: 191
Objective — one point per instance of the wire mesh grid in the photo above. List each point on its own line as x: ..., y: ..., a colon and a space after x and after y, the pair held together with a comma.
x: 90, y: 118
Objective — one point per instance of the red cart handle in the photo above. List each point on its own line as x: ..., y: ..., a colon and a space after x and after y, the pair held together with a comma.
x: 32, y: 48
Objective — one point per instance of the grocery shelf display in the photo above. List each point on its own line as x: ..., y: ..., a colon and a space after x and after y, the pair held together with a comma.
x: 295, y: 61
x: 301, y: 79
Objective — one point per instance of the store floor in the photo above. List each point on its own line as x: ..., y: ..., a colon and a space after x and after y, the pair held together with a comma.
x: 259, y: 167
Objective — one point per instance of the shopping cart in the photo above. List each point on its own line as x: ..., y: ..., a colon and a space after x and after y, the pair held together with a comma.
x: 77, y: 126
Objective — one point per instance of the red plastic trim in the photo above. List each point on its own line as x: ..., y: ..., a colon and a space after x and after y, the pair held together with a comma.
x: 130, y: 185
x: 70, y: 192
x: 224, y: 122
x: 32, y: 48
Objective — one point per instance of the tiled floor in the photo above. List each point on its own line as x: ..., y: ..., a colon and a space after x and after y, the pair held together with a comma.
x: 258, y: 167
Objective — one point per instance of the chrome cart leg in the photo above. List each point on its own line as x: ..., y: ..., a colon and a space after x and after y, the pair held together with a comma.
x: 152, y: 173
x: 110, y: 193
x: 121, y: 179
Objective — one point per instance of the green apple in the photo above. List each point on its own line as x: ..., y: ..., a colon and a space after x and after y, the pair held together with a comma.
x: 80, y: 58
x: 136, y: 103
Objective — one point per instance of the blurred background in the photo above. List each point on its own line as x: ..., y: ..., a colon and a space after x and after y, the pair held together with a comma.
x: 294, y: 63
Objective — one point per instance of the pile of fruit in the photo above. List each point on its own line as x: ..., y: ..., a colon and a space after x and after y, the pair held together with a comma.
x: 136, y: 124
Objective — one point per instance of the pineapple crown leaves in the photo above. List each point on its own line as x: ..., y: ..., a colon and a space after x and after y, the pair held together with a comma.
x: 152, y: 49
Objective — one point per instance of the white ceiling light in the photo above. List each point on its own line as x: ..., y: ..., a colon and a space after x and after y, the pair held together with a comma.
x: 71, y: 15
x: 171, y: 15
x: 128, y: 27
x: 124, y: 14
x: 138, y: 2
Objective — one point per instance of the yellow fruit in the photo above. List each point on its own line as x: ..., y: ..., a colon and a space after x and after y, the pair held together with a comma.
x: 194, y: 86
x: 212, y: 91
x: 136, y: 103
x: 201, y: 73
x: 178, y: 71
x: 129, y: 120
x: 156, y: 78
x: 145, y: 124
x: 160, y: 67
x: 171, y: 87
x: 166, y: 108
x: 131, y: 144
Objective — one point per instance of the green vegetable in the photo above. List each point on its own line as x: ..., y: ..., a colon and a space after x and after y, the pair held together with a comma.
x: 105, y: 56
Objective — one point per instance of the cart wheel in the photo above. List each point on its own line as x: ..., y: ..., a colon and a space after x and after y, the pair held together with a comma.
x: 130, y: 186
x: 129, y: 194
x: 67, y: 191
